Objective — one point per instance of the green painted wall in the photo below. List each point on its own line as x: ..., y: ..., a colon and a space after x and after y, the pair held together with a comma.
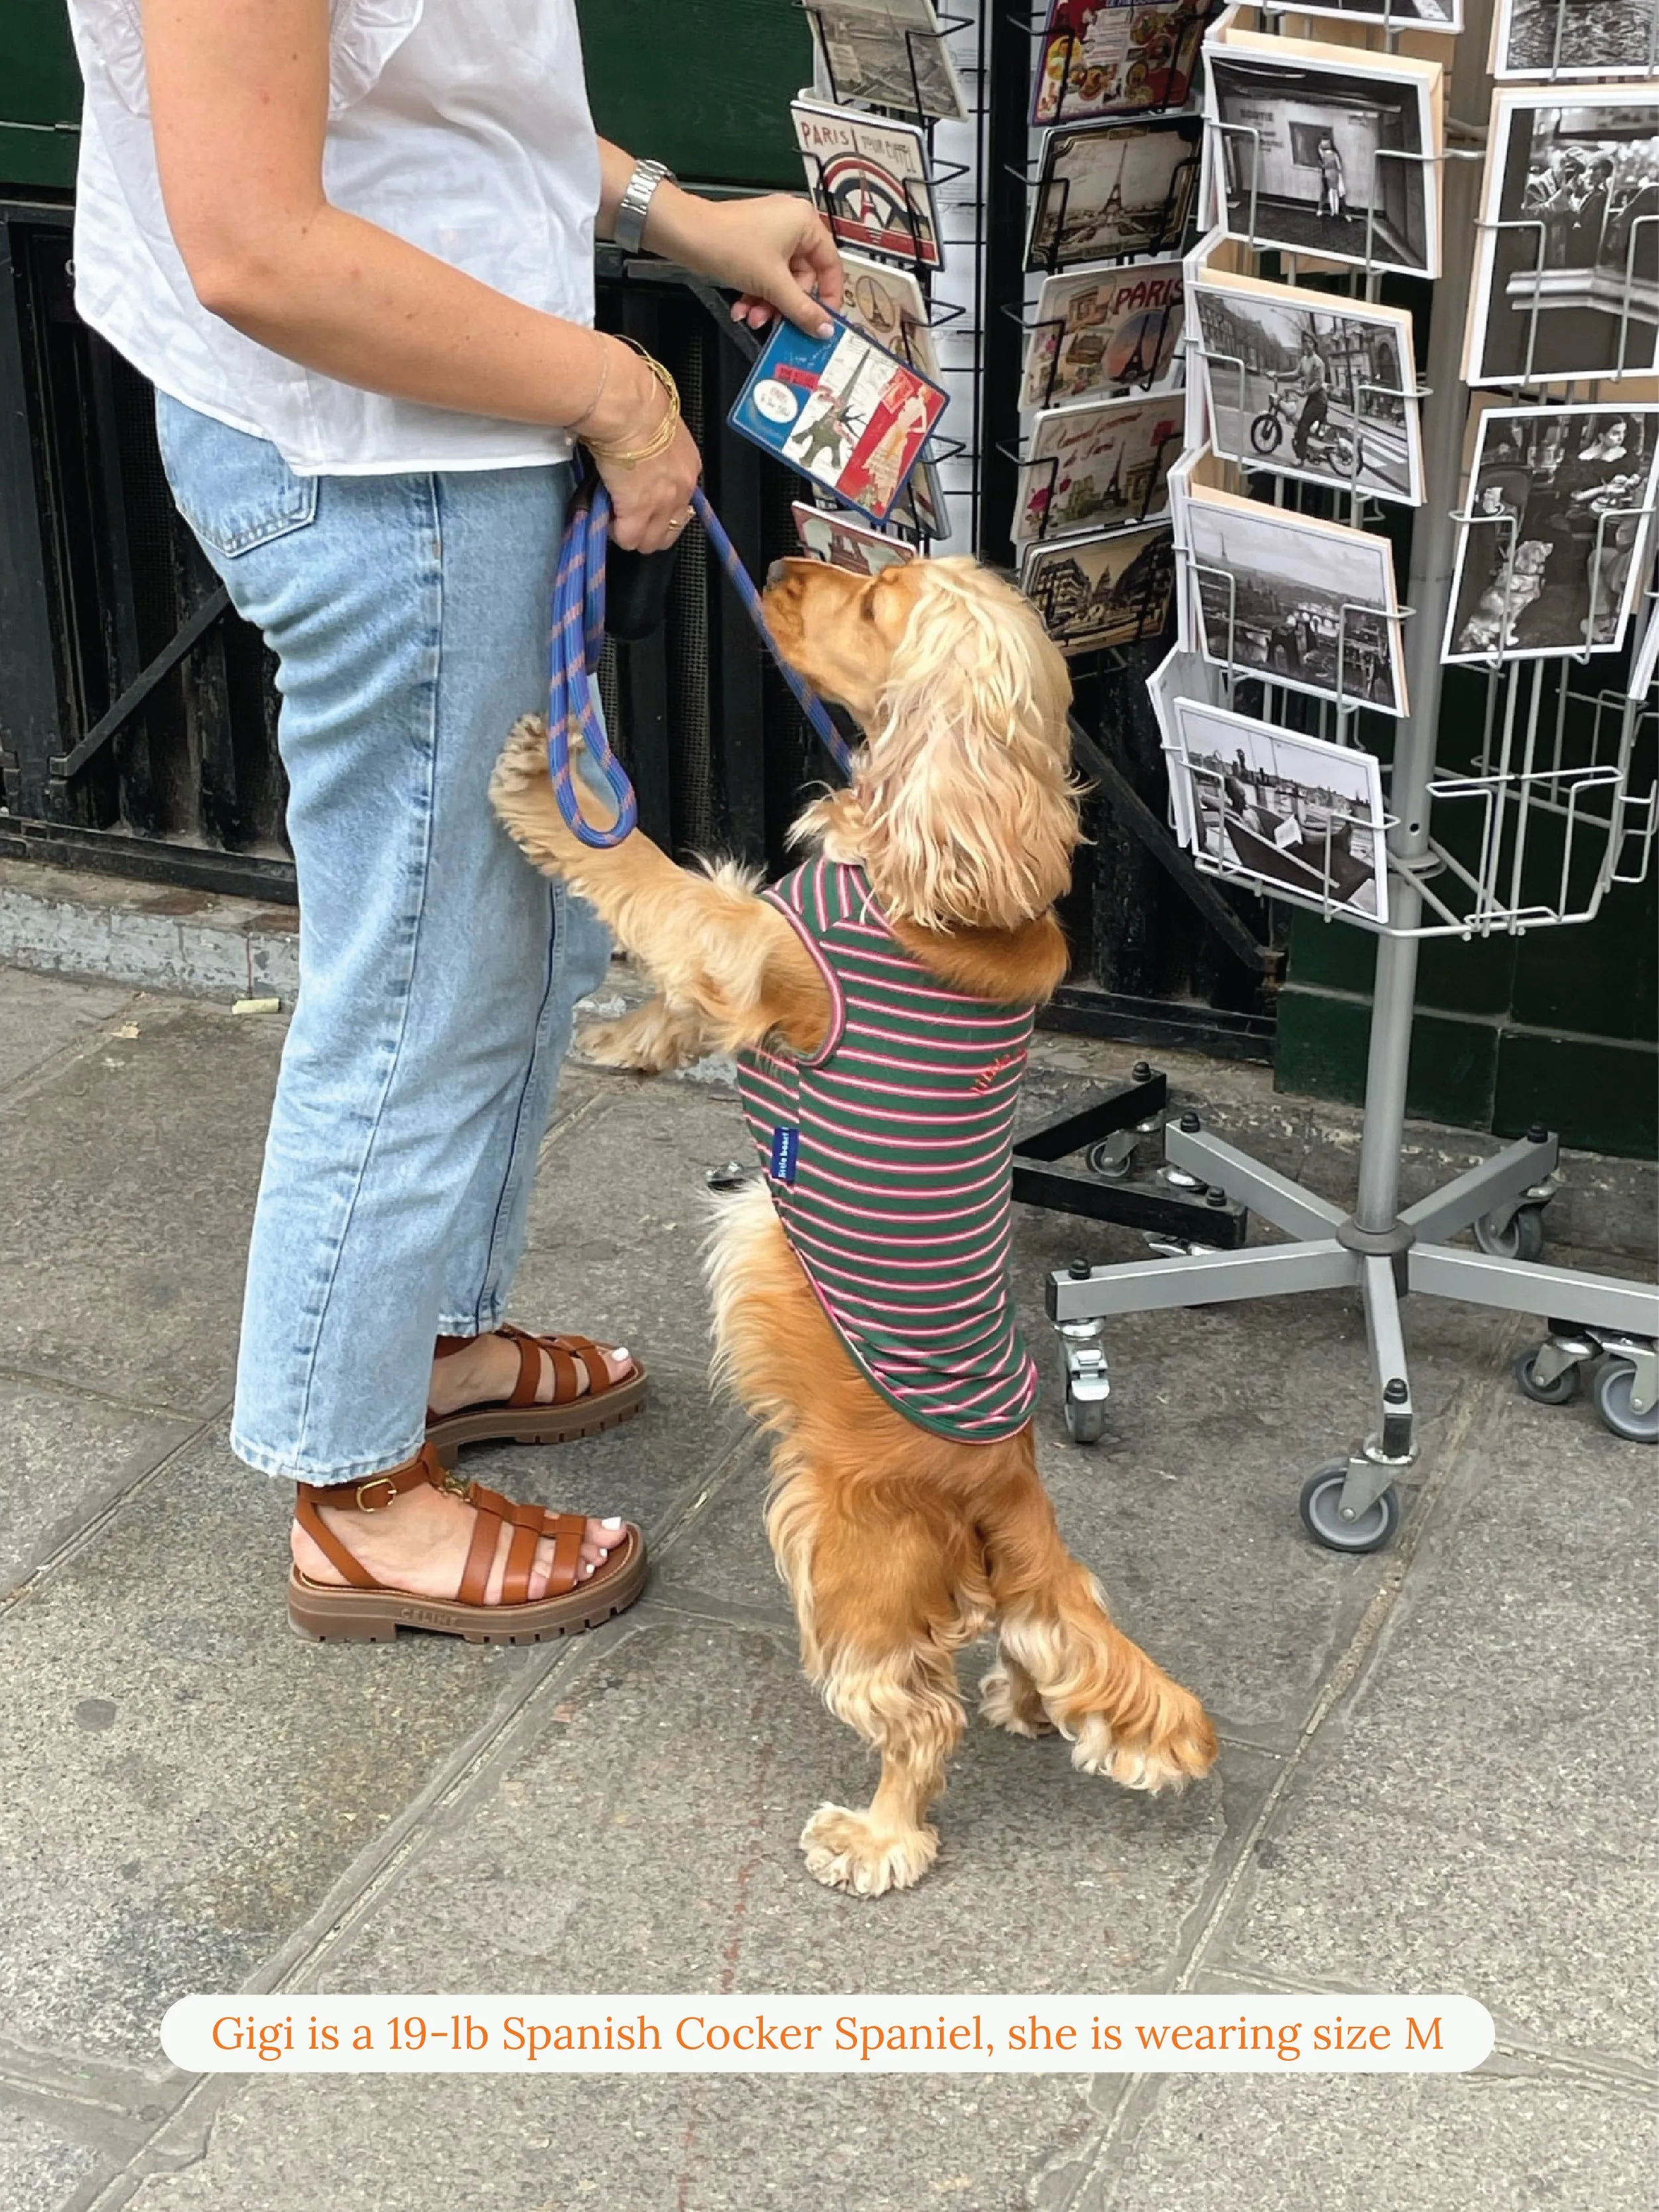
x: 704, y: 85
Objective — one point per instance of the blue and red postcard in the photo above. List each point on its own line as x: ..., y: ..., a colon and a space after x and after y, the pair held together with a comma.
x: 843, y: 411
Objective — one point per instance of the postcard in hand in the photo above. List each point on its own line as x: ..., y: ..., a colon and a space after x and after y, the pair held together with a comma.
x: 844, y: 544
x: 1299, y: 815
x: 869, y: 179
x: 887, y: 302
x: 843, y: 411
x: 1102, y: 330
x: 1117, y: 57
x: 1112, y: 189
x: 1098, y: 468
x: 1566, y: 278
x: 1560, y: 505
x: 1309, y: 386
x: 891, y: 53
x: 1328, y: 151
x: 1558, y: 39
x: 1095, y: 591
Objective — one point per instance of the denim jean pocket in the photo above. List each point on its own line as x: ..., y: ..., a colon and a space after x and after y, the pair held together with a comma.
x: 235, y: 491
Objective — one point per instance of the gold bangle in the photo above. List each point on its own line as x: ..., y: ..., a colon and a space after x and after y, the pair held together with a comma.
x: 661, y: 437
x: 576, y: 421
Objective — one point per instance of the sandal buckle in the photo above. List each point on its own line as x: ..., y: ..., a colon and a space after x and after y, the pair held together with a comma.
x: 457, y: 1485
x: 376, y: 1482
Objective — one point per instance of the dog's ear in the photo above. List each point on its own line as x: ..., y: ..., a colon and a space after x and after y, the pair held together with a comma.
x: 968, y: 803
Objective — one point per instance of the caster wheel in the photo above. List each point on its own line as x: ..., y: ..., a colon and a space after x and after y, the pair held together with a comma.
x: 1559, y: 1393
x: 1523, y: 1238
x: 1374, y: 1527
x: 1612, y: 1394
x: 1099, y: 1161
x: 1085, y: 1420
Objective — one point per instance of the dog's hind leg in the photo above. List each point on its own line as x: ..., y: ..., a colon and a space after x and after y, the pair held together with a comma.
x: 1124, y: 1715
x: 880, y: 1601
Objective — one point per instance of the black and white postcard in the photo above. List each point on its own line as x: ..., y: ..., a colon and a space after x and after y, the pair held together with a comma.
x: 1114, y: 188
x: 1557, y: 38
x: 1395, y: 15
x: 1179, y: 675
x: 1328, y: 150
x: 1309, y: 386
x: 1098, y: 468
x: 1300, y: 817
x: 1104, y: 330
x: 1550, y: 558
x: 869, y: 179
x: 1095, y: 591
x: 1293, y: 599
x: 887, y: 53
x: 1566, y: 278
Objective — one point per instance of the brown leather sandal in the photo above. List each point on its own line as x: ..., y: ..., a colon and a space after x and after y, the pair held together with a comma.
x: 521, y: 1419
x: 368, y: 1611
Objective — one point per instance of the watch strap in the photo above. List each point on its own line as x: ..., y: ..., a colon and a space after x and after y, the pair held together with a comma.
x: 636, y: 204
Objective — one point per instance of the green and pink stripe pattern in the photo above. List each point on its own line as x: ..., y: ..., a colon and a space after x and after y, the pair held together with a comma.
x: 888, y: 1156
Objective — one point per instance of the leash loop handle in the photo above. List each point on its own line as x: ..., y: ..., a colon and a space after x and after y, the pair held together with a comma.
x: 578, y: 640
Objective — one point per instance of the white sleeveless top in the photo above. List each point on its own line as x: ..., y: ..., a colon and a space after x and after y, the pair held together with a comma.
x: 462, y: 125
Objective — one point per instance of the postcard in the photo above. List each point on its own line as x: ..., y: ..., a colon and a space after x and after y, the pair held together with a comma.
x: 828, y: 535
x: 1566, y: 275
x: 888, y: 303
x: 1112, y: 189
x: 1299, y: 817
x: 1098, y: 468
x: 1328, y: 150
x: 1106, y: 58
x: 1307, y: 385
x: 1293, y: 600
x: 1097, y: 592
x: 1550, y: 552
x: 888, y: 53
x: 843, y: 411
x: 869, y: 179
x: 1557, y: 38
x: 1101, y: 330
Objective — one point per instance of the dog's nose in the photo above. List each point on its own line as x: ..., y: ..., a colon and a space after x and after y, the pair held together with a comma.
x: 776, y: 573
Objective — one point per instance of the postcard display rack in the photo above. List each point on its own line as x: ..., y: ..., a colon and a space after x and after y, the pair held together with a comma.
x: 1544, y: 794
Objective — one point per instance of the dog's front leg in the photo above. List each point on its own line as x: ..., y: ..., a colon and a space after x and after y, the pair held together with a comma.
x: 716, y: 949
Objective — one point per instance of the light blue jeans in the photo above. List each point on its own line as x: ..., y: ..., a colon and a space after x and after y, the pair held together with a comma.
x: 438, y: 971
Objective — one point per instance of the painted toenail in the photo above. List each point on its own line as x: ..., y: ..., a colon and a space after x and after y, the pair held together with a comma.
x: 613, y: 1521
x: 620, y: 1352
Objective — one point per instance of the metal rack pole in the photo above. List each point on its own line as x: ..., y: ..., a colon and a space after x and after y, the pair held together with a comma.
x: 1434, y: 543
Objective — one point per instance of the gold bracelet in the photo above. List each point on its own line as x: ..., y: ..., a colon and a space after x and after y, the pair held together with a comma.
x: 576, y: 421
x: 661, y: 438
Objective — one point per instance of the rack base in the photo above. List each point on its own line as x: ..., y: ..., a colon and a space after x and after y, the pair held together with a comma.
x: 1350, y: 1504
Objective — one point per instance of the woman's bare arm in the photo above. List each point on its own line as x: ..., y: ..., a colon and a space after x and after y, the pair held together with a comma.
x: 239, y: 97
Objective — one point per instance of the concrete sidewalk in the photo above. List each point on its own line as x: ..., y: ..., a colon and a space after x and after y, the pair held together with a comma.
x: 1437, y: 1769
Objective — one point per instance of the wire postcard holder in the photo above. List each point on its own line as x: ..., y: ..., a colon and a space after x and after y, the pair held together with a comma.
x: 1518, y: 813
x: 916, y: 43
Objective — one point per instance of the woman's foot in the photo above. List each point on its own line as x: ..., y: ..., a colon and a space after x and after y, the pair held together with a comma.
x: 419, y: 1542
x: 486, y: 1370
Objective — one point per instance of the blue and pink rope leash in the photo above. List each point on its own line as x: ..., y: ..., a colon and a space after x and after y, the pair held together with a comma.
x: 578, y: 640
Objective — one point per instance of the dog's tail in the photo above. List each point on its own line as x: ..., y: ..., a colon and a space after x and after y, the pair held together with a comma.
x: 1064, y: 1656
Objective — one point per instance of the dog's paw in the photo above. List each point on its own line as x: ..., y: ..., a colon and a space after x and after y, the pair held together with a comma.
x: 648, y: 1039
x: 1177, y: 1749
x: 1009, y: 1699
x: 523, y: 763
x: 845, y: 1851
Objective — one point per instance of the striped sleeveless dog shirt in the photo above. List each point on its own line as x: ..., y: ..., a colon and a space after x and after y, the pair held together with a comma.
x: 888, y: 1155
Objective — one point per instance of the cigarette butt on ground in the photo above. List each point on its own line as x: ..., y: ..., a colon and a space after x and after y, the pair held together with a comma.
x: 256, y: 1006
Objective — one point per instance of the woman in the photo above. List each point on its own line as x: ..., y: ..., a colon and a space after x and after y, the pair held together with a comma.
x: 351, y: 242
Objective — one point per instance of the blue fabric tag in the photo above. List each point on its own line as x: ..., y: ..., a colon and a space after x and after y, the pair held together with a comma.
x: 785, y: 1150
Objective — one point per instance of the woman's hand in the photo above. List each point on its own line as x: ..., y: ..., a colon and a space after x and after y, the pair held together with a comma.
x: 650, y: 500
x: 776, y: 252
